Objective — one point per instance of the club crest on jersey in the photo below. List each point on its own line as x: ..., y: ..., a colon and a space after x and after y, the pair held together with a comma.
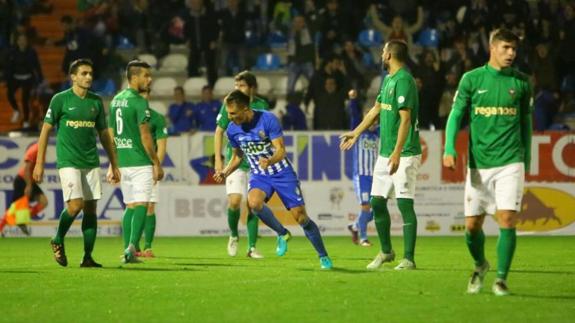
x: 512, y: 92
x: 262, y: 134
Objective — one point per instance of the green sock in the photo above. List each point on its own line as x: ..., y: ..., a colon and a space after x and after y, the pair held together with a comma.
x: 127, y: 226
x: 409, y: 227
x: 63, y: 226
x: 233, y: 220
x: 505, y: 251
x: 149, y: 230
x: 382, y: 222
x: 475, y: 243
x: 138, y: 220
x: 89, y: 231
x: 252, y: 230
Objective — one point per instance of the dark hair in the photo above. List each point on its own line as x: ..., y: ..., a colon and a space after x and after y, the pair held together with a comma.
x: 237, y: 97
x: 398, y: 49
x: 247, y: 77
x: 207, y: 87
x: 179, y: 88
x: 503, y: 34
x: 134, y: 67
x: 73, y: 69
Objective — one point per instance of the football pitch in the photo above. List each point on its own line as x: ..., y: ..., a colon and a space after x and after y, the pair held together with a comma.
x: 193, y: 280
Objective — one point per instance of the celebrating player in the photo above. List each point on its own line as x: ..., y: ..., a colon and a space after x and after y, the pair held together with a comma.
x: 396, y: 168
x: 237, y: 182
x: 139, y: 164
x: 76, y: 113
x: 498, y: 98
x: 258, y: 136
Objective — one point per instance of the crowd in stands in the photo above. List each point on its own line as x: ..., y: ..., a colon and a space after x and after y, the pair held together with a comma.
x: 333, y: 44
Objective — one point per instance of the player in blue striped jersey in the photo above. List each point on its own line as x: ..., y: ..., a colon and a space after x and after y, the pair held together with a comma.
x: 259, y: 136
x: 364, y: 157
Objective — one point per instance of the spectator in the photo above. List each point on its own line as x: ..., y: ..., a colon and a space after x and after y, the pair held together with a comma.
x: 132, y: 22
x: 233, y: 25
x: 202, y: 32
x: 329, y: 113
x: 22, y: 71
x: 399, y: 29
x: 353, y: 63
x: 446, y: 99
x: 333, y: 29
x: 206, y: 111
x: 180, y: 113
x: 294, y: 118
x: 79, y: 43
x: 428, y: 71
x: 301, y: 53
x: 281, y: 16
x: 332, y: 67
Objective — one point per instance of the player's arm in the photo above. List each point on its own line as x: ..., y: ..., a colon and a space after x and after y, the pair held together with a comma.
x: 161, y: 151
x: 349, y: 138
x: 106, y: 135
x: 526, y: 125
x: 38, y: 172
x: 218, y: 144
x: 148, y: 143
x: 460, y: 103
x: 28, y: 170
x: 402, y: 132
x: 234, y: 163
x: 278, y: 155
x: 377, y: 23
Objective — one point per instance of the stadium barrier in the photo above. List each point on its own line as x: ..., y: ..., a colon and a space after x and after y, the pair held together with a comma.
x: 191, y: 203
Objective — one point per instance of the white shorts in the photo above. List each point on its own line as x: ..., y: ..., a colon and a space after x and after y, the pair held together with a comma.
x: 491, y: 189
x: 399, y: 185
x: 80, y: 183
x: 137, y: 183
x: 237, y: 182
x: 155, y: 197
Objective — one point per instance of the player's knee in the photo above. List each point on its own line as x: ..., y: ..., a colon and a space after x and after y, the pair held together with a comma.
x: 299, y: 214
x: 365, y: 207
x: 234, y: 201
x: 151, y: 208
x: 378, y: 203
x: 473, y: 224
x: 75, y: 206
x: 255, y: 204
x: 507, y: 219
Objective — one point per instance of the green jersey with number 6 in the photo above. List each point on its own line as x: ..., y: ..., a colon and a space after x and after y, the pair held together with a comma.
x: 128, y: 110
x: 76, y: 119
x: 398, y: 91
x: 223, y: 121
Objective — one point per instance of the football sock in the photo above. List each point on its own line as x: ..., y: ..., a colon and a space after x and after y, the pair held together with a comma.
x: 138, y: 220
x: 252, y: 224
x: 382, y: 222
x: 476, y: 243
x: 127, y: 226
x: 89, y: 231
x: 150, y: 230
x: 314, y: 236
x: 233, y: 220
x: 63, y: 226
x: 409, y: 227
x: 268, y: 218
x: 505, y: 251
x: 34, y: 210
x: 362, y: 221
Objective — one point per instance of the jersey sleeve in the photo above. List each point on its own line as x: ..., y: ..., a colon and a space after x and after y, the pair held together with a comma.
x: 231, y: 140
x: 54, y: 110
x: 101, y: 117
x: 461, y: 101
x: 161, y: 130
x: 143, y: 112
x: 273, y: 126
x: 526, y: 123
x: 405, y: 94
x: 222, y: 119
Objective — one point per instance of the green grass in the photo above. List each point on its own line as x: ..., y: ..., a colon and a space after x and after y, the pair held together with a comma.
x: 193, y: 280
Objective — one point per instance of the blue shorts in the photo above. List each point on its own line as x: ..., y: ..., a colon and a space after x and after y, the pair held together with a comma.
x: 285, y: 184
x: 362, y: 187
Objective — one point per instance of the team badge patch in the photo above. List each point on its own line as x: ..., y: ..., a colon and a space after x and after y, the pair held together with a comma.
x: 512, y: 92
x: 400, y: 99
x: 262, y: 134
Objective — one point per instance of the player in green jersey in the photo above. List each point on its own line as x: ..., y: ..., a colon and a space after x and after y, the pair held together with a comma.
x: 498, y: 99
x: 139, y: 164
x: 396, y: 168
x: 237, y: 183
x: 160, y: 138
x: 78, y: 115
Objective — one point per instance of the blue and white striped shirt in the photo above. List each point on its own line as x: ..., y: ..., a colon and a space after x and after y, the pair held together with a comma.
x: 255, y: 140
x: 365, y: 153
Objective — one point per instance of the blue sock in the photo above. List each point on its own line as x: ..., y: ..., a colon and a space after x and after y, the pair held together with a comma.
x: 362, y: 221
x: 312, y: 233
x: 268, y: 218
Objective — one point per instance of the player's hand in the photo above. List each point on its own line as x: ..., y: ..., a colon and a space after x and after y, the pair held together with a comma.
x: 113, y: 176
x: 38, y: 173
x: 158, y: 173
x: 218, y: 165
x: 347, y: 140
x: 352, y: 94
x: 264, y: 163
x: 449, y: 161
x: 219, y: 176
x: 393, y: 163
